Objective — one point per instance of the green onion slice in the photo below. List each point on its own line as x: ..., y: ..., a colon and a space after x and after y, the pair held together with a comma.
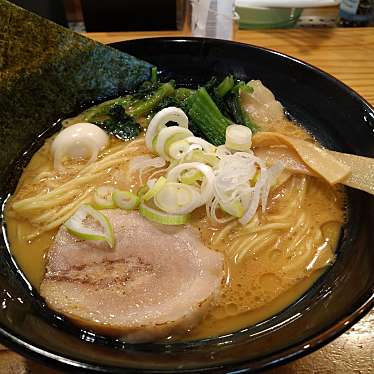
x: 177, y: 198
x: 168, y: 136
x: 238, y: 138
x: 191, y: 176
x: 161, y: 217
x: 207, y: 185
x: 198, y: 155
x: 178, y: 149
x: 205, y: 146
x: 154, y: 189
x: 159, y: 121
x: 103, y: 197
x: 89, y: 224
x: 142, y: 191
x: 125, y: 199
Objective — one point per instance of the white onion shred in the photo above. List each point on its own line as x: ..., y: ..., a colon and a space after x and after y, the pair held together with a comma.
x: 144, y: 162
x: 222, y: 151
x: 272, y: 175
x: 234, y: 181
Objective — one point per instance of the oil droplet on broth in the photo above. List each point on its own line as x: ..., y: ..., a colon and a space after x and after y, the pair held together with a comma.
x: 218, y: 313
x: 232, y: 309
x: 269, y: 282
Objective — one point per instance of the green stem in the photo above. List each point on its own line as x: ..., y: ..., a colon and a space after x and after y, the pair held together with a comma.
x: 183, y: 93
x: 143, y: 107
x: 207, y: 117
x: 103, y: 108
x: 154, y: 74
x: 225, y: 86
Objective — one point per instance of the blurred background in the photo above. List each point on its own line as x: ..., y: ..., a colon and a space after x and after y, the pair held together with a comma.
x: 147, y: 15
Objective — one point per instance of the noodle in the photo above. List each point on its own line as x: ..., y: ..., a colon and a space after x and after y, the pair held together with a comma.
x: 222, y: 235
x: 265, y: 259
x: 272, y: 226
x: 49, y: 210
x: 247, y: 246
x: 259, y: 234
x: 54, y: 224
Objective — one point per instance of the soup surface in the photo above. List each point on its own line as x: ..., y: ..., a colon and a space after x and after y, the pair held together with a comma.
x: 269, y: 262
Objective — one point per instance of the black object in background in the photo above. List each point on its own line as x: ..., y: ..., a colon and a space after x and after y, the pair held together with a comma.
x: 356, y: 13
x: 51, y: 9
x: 129, y: 15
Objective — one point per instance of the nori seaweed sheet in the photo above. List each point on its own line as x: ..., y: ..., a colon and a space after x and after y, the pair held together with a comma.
x: 48, y: 71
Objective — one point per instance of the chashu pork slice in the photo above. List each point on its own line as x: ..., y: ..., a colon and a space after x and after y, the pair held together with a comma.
x: 155, y: 282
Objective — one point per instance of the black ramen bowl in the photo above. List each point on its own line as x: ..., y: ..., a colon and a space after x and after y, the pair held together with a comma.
x: 341, y: 120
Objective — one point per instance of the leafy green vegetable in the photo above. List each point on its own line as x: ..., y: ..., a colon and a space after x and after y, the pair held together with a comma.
x: 179, y: 100
x: 225, y: 86
x: 119, y: 123
x: 144, y: 106
x: 146, y: 89
x: 182, y: 93
x: 211, y: 87
x: 154, y: 74
x: 234, y: 108
x: 210, y: 108
x: 206, y: 116
x: 96, y: 112
x: 227, y: 96
x: 119, y: 116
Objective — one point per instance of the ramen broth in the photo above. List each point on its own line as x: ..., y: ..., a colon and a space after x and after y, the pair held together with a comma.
x: 269, y: 263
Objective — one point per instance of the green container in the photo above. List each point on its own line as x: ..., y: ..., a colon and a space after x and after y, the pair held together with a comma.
x: 267, y: 18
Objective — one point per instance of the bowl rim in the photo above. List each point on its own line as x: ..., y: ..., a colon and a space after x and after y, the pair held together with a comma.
x: 280, y: 357
x: 194, y: 39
